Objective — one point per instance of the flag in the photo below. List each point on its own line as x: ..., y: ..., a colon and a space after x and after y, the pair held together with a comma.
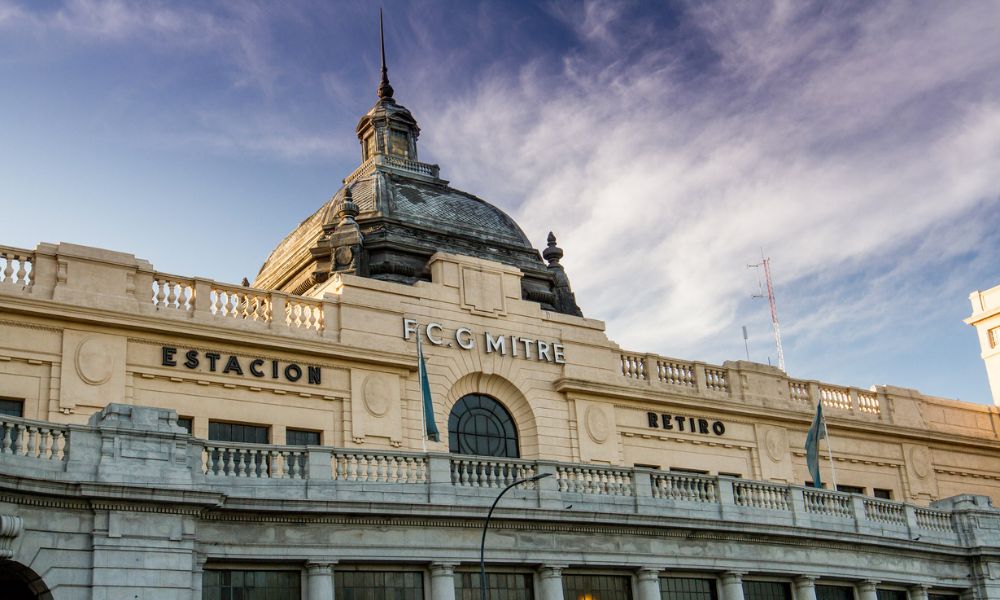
x: 425, y: 393
x: 817, y: 431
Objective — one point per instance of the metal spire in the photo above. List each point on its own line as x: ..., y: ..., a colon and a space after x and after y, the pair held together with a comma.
x: 384, y: 89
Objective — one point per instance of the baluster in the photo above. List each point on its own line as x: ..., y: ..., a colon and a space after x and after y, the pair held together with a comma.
x: 5, y: 445
x: 242, y: 471
x: 160, y: 293
x: 264, y: 470
x: 217, y: 304
x: 8, y: 269
x: 21, y: 271
x: 229, y: 307
x: 353, y: 468
x: 230, y: 470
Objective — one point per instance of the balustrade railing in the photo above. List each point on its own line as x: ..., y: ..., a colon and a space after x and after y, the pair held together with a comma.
x: 928, y: 518
x: 490, y: 473
x: 835, y: 397
x: 716, y: 380
x: 595, y: 480
x: 40, y: 440
x: 173, y: 292
x: 675, y: 373
x: 828, y: 503
x: 691, y: 488
x: 254, y: 461
x: 302, y: 313
x: 239, y: 302
x: 798, y: 391
x: 881, y: 511
x: 371, y: 467
x: 16, y: 267
x: 238, y: 464
x: 868, y: 403
x: 761, y: 495
x: 634, y: 367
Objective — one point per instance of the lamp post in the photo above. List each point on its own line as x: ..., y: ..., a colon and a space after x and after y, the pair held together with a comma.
x: 482, y: 544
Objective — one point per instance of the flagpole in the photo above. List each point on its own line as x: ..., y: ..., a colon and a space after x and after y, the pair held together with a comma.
x: 420, y: 379
x: 829, y: 451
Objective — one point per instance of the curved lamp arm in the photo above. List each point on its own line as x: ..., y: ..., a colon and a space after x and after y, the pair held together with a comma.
x: 482, y: 544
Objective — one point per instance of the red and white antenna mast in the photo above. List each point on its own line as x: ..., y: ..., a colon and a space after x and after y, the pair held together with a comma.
x: 766, y: 263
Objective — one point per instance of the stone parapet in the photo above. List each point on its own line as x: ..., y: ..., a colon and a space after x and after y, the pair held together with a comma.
x: 142, y: 449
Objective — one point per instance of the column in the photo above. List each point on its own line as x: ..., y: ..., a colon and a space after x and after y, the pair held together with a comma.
x: 919, y: 591
x: 443, y: 581
x: 649, y: 583
x: 319, y: 580
x: 551, y: 587
x: 866, y: 590
x: 197, y: 575
x: 732, y: 585
x: 805, y: 587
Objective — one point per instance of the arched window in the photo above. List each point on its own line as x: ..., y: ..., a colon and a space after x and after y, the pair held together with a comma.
x: 482, y: 426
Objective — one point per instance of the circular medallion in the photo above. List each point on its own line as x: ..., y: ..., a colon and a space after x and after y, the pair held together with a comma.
x: 598, y: 427
x: 920, y: 460
x: 344, y: 255
x: 776, y: 443
x: 94, y: 363
x: 376, y: 395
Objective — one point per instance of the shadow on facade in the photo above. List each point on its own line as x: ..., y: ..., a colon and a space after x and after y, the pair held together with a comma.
x: 18, y: 582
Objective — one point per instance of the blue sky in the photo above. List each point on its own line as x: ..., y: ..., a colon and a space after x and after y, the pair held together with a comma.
x: 666, y: 144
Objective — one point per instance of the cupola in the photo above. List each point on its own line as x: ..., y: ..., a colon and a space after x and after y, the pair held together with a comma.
x: 387, y: 128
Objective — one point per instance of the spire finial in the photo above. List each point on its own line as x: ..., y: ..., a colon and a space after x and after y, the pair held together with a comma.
x: 384, y: 89
x: 552, y: 253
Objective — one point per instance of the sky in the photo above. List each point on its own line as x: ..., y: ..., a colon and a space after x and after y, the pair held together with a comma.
x: 667, y: 144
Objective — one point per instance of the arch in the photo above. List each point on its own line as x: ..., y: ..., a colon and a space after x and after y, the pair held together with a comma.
x: 482, y: 426
x: 18, y: 582
x: 508, y: 395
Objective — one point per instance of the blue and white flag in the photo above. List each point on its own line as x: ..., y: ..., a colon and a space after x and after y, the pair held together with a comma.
x: 425, y: 393
x: 817, y: 431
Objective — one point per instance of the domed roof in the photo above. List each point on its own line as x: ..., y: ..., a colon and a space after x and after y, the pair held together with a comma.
x: 394, y: 213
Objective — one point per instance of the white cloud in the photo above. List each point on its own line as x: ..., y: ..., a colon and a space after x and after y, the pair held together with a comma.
x: 825, y: 138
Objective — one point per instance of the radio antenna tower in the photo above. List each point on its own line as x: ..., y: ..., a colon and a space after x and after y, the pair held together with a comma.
x: 766, y: 263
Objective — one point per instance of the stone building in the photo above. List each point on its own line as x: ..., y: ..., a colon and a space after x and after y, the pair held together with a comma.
x: 168, y: 436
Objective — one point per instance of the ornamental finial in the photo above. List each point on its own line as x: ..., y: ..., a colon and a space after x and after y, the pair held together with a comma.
x: 385, y: 90
x: 552, y: 253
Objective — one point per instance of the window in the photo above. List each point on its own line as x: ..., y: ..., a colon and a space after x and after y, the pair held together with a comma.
x: 679, y: 588
x: 689, y: 471
x: 237, y: 432
x: 480, y: 425
x: 226, y: 461
x: 11, y: 408
x: 597, y: 587
x: 851, y: 489
x: 499, y: 586
x: 834, y: 592
x: 880, y: 493
x: 890, y: 594
x: 301, y: 437
x: 378, y: 585
x: 240, y: 585
x: 766, y: 590
x: 399, y: 143
x: 185, y: 422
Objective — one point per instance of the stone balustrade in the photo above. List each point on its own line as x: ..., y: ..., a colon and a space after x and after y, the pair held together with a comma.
x: 73, y: 454
x: 690, y: 377
x: 16, y: 269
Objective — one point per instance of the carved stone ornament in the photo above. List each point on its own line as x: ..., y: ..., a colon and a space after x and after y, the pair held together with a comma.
x: 598, y: 426
x: 376, y: 395
x: 94, y: 363
x: 776, y: 444
x: 920, y: 461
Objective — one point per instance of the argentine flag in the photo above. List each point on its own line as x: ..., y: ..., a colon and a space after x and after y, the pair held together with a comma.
x: 816, y: 432
x: 425, y: 393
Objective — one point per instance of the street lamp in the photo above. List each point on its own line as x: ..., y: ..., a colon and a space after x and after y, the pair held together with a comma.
x: 482, y: 544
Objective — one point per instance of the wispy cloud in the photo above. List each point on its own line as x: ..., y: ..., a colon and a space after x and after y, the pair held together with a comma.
x: 826, y: 135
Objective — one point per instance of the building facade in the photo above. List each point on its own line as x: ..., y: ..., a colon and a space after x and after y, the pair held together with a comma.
x: 169, y: 436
